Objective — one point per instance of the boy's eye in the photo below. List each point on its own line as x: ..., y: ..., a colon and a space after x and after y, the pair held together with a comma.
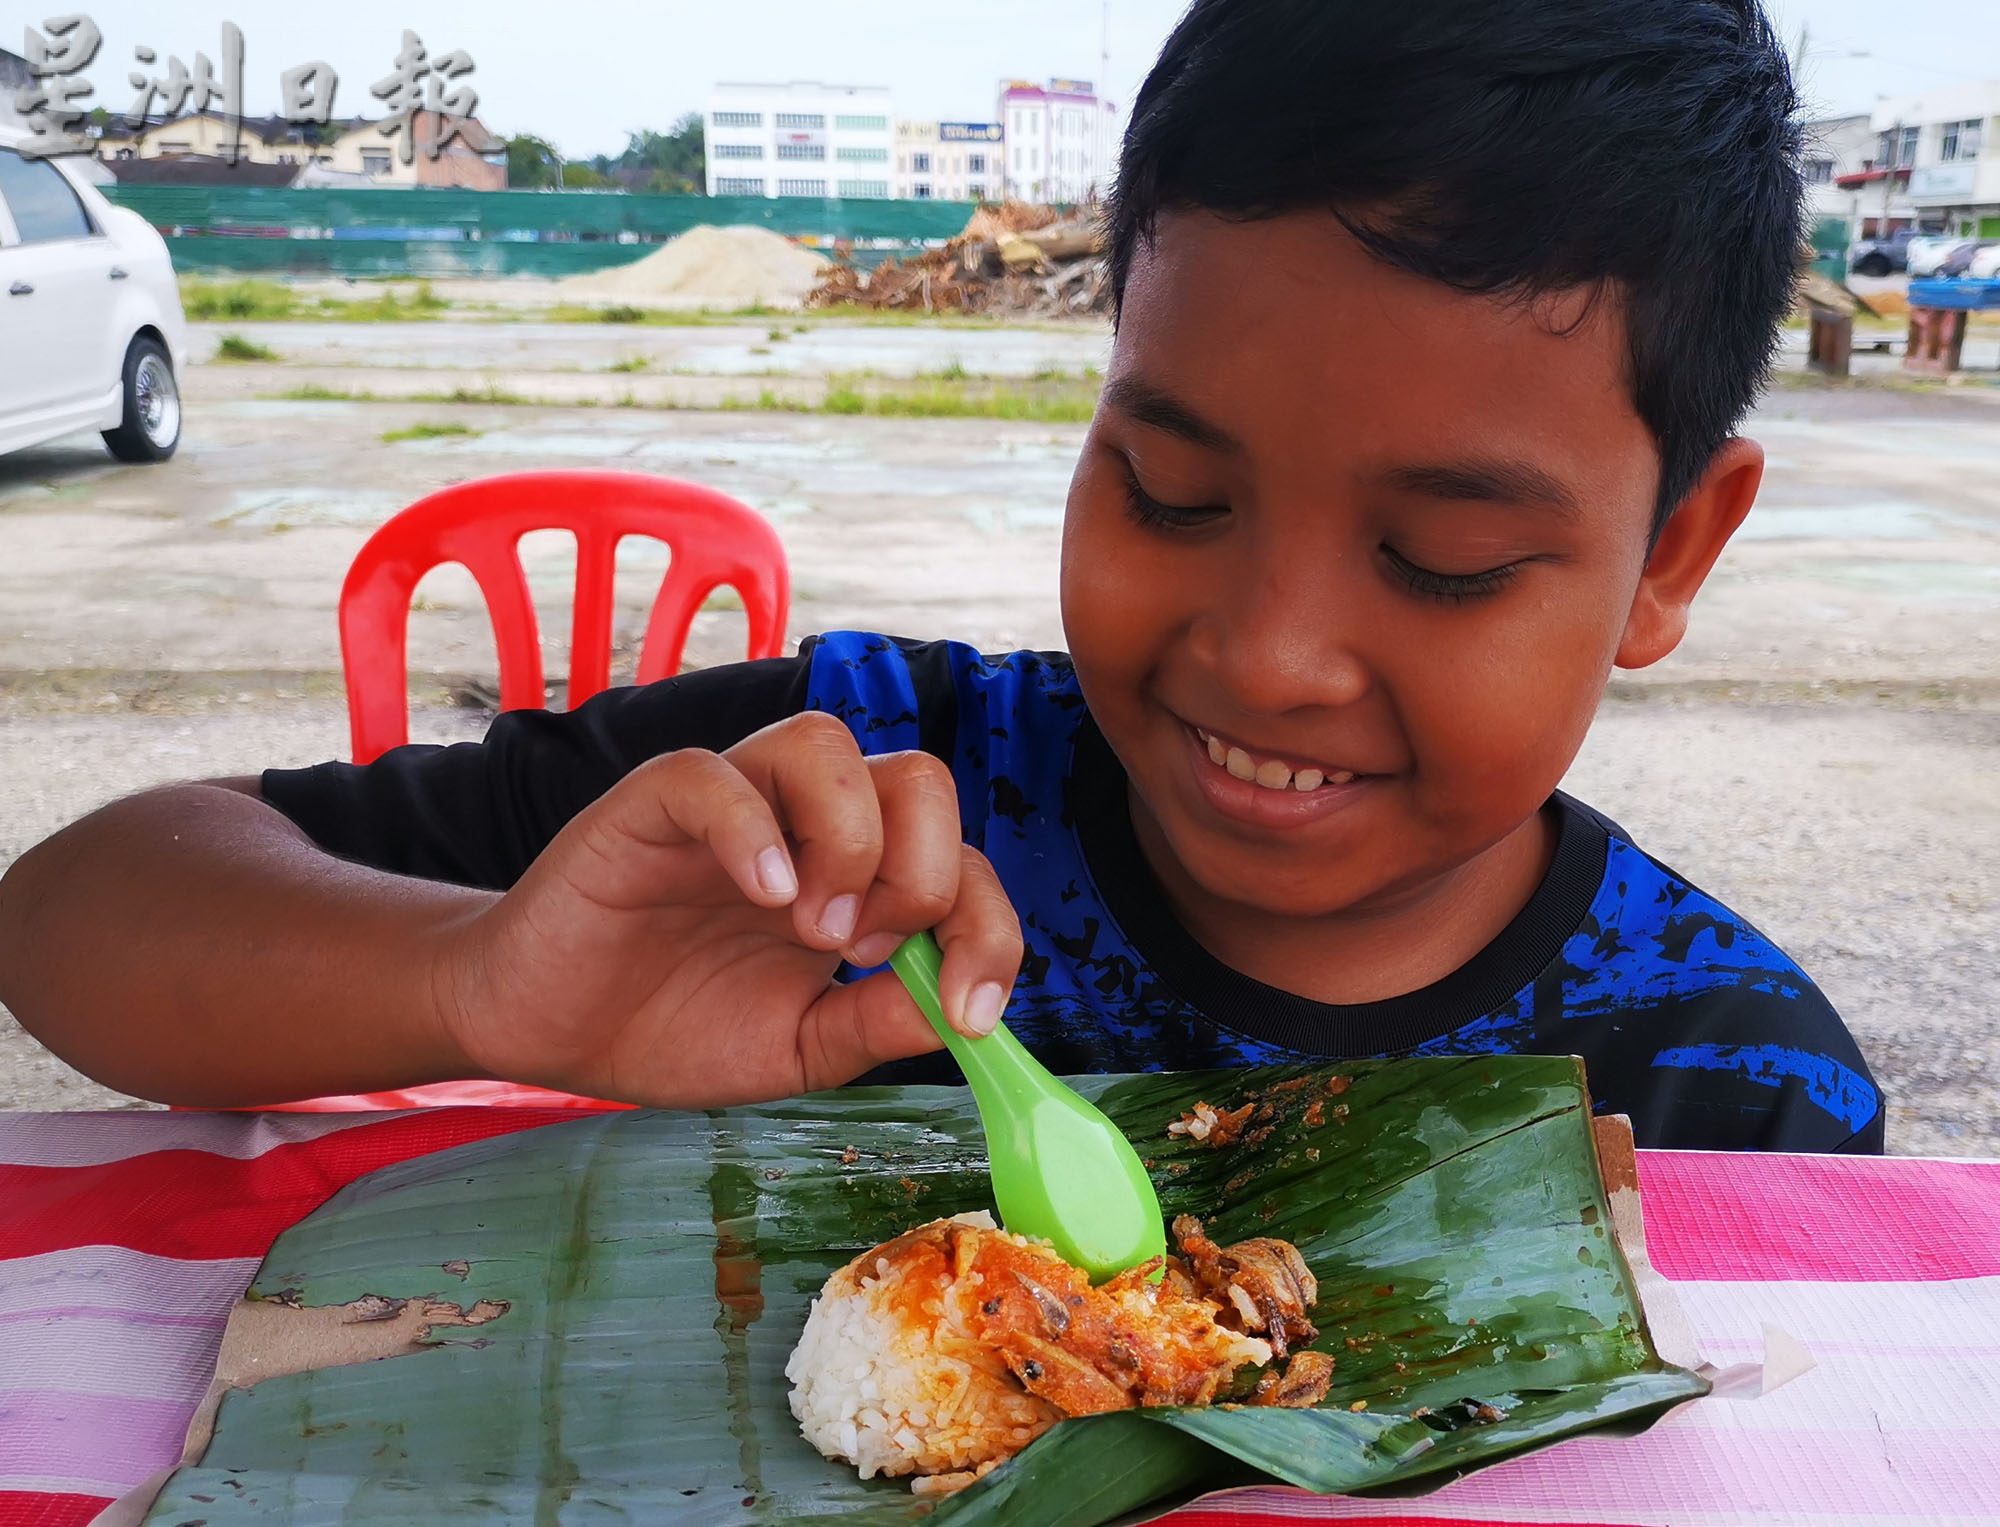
x: 1153, y: 514
x: 1453, y: 588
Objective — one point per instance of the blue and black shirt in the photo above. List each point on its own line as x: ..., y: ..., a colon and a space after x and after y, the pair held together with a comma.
x: 1688, y: 1019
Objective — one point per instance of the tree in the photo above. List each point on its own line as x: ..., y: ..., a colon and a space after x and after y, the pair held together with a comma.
x: 677, y: 158
x: 532, y: 163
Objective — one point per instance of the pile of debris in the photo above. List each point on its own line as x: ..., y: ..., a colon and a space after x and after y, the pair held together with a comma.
x: 1012, y: 258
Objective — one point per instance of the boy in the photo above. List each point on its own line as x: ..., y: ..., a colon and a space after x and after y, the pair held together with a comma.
x: 1434, y: 323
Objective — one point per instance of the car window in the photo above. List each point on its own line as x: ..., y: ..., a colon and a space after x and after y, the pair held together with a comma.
x: 45, y: 206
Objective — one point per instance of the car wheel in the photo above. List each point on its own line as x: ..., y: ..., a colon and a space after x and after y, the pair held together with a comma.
x: 151, y: 427
x: 1872, y: 265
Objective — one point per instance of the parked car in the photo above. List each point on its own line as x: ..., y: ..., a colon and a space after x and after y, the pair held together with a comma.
x: 1959, y: 261
x: 91, y: 328
x: 1929, y: 255
x: 1878, y: 257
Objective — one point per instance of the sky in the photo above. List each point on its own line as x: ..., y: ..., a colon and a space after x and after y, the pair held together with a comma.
x: 586, y: 72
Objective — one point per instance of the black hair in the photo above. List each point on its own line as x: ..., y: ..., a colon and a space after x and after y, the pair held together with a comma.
x: 1645, y: 148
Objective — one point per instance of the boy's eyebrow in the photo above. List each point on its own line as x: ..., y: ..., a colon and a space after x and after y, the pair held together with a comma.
x: 1482, y: 480
x: 1163, y: 411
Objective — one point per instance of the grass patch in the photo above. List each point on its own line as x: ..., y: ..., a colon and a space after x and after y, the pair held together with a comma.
x: 385, y: 307
x: 234, y: 347
x: 1068, y: 401
x: 212, y: 301
x: 427, y: 431
x: 630, y: 363
x: 312, y: 392
x: 490, y: 393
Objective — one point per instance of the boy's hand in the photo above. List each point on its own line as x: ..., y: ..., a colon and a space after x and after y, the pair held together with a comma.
x: 673, y: 945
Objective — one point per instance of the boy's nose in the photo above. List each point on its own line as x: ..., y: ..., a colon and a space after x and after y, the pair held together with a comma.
x: 1286, y: 638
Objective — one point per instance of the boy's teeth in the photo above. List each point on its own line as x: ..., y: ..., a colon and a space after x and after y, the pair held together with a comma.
x: 1271, y: 774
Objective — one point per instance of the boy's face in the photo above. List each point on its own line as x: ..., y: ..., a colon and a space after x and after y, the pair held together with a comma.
x: 1335, y: 520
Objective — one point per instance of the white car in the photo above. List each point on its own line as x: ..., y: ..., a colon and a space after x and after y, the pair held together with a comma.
x: 91, y: 330
x: 1930, y: 251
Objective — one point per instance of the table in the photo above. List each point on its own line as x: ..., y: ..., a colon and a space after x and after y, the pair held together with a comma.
x: 126, y: 1237
x: 1937, y: 321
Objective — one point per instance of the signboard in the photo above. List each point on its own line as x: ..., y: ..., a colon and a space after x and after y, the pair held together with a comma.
x: 1939, y: 180
x: 969, y: 132
x: 1070, y: 87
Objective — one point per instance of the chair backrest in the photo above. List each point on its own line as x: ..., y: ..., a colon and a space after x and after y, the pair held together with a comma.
x: 714, y: 541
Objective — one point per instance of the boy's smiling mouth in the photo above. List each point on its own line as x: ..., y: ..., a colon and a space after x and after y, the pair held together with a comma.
x: 1268, y: 770
x: 1255, y: 788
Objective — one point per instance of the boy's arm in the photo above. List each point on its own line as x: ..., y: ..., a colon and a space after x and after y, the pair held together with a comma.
x: 191, y: 945
x: 672, y: 945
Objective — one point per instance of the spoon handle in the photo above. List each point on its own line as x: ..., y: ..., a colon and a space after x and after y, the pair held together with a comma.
x: 985, y: 1062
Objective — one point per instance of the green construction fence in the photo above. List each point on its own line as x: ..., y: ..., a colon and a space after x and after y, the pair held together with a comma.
x: 441, y: 233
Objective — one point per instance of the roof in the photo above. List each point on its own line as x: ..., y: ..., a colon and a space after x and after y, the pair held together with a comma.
x: 199, y: 170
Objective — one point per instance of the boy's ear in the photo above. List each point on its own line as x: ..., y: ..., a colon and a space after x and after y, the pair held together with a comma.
x: 1688, y: 546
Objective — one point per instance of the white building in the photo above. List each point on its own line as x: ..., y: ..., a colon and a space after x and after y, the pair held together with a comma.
x: 1934, y: 164
x: 1835, y: 147
x: 798, y: 139
x: 1061, y: 140
x: 948, y: 161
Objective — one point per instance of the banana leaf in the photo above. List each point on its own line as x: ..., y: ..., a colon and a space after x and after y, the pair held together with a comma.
x: 658, y: 1268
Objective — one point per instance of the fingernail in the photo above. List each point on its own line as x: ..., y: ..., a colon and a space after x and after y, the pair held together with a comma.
x: 984, y: 1006
x: 836, y: 919
x: 774, y: 872
x: 875, y: 948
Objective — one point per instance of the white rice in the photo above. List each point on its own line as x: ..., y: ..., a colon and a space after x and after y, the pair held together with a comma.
x: 892, y: 1395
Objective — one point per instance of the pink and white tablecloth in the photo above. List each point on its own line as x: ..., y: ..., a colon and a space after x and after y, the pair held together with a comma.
x: 125, y: 1239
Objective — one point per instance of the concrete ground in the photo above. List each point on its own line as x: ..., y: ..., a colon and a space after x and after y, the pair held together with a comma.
x: 1819, y: 753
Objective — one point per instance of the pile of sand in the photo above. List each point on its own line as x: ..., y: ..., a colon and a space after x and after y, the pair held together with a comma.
x: 706, y: 268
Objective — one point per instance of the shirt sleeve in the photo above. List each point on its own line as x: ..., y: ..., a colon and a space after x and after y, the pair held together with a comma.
x: 478, y: 813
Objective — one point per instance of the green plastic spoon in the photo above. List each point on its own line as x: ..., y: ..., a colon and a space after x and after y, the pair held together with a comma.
x: 1061, y: 1170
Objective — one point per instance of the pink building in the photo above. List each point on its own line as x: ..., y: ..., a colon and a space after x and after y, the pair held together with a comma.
x: 1061, y: 140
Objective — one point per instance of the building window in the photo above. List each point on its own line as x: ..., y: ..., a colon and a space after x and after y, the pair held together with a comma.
x: 1960, y: 140
x: 802, y: 188
x: 1896, y: 148
x: 374, y: 162
x: 802, y: 151
x: 922, y: 191
x: 862, y: 155
x: 976, y: 191
x: 873, y: 188
x: 1819, y: 172
x: 975, y: 164
x: 739, y: 119
x: 726, y: 185
x: 860, y: 124
x: 812, y: 121
x: 739, y: 151
x: 920, y: 163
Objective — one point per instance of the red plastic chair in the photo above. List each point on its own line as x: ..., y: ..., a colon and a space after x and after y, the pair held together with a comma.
x: 715, y: 541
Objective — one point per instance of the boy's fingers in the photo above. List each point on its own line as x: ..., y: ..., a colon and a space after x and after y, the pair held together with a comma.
x: 981, y: 937
x: 859, y: 1026
x: 916, y: 881
x: 814, y: 774
x: 691, y: 795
